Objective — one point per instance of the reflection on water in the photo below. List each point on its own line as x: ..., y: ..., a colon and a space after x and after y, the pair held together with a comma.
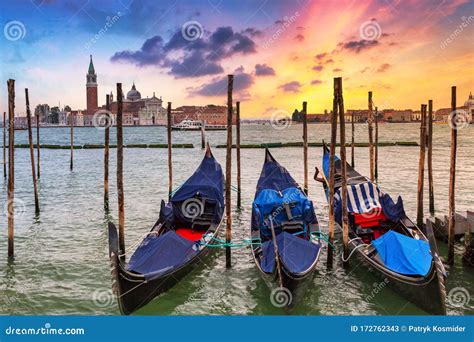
x: 61, y: 264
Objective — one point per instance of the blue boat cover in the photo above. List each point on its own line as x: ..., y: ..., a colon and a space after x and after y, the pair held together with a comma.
x: 403, y: 254
x: 365, y: 197
x: 206, y: 182
x: 296, y: 254
x: 158, y: 255
x: 270, y: 203
x: 274, y: 176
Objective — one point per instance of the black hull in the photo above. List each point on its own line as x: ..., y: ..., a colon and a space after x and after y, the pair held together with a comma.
x: 132, y: 290
x: 428, y: 292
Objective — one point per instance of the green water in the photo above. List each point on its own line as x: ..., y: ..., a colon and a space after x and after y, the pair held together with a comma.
x: 61, y: 262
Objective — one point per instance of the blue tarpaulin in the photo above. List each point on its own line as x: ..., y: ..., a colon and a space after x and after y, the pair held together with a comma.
x: 296, y: 254
x: 403, y: 254
x: 274, y: 176
x: 270, y: 203
x: 158, y: 255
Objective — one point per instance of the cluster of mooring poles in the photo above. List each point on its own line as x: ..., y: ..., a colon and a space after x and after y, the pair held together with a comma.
x: 426, y: 141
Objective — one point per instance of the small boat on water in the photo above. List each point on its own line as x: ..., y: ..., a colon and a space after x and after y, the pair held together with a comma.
x: 174, y: 246
x: 284, y: 221
x: 387, y: 241
x: 191, y: 125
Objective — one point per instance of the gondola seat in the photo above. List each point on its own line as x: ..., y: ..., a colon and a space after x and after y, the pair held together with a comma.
x: 204, y: 220
x: 190, y: 234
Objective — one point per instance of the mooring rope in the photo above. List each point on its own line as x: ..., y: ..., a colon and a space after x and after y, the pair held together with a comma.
x: 355, y: 248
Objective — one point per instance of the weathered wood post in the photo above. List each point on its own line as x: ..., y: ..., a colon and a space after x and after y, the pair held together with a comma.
x: 170, y: 161
x: 305, y: 146
x: 71, y: 162
x: 332, y: 170
x: 452, y: 178
x: 430, y: 156
x: 11, y: 166
x: 237, y: 146
x: 376, y: 152
x: 4, y: 146
x: 106, y: 152
x: 342, y: 124
x: 421, y: 168
x: 32, y: 153
x: 352, y: 140
x: 203, y: 134
x: 370, y: 121
x: 228, y: 172
x: 38, y: 146
x: 120, y: 193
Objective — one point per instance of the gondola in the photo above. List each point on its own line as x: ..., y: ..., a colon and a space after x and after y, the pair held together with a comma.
x: 285, y: 234
x: 187, y: 224
x: 387, y: 241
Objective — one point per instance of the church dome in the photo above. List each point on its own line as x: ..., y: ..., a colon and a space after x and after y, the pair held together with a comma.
x: 134, y: 94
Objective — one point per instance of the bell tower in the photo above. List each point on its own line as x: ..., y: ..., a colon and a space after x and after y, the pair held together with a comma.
x: 91, y: 88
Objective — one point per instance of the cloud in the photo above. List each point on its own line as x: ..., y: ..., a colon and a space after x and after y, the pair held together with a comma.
x: 364, y: 70
x: 264, y: 70
x: 299, y: 37
x: 316, y: 82
x: 194, y: 58
x: 291, y: 87
x: 358, y: 45
x: 337, y: 70
x: 317, y: 68
x: 218, y: 86
x: 384, y: 67
x: 320, y: 56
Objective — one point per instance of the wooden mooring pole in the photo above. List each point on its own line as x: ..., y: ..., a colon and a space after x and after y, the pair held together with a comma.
x: 106, y: 152
x: 11, y: 166
x: 352, y: 140
x: 4, y: 146
x: 203, y: 134
x: 342, y: 124
x: 452, y: 179
x: 170, y: 161
x: 38, y: 146
x: 332, y: 151
x: 120, y: 193
x: 32, y: 153
x: 430, y: 156
x: 305, y: 146
x: 228, y: 172
x: 421, y: 168
x: 71, y: 161
x: 237, y: 146
x: 370, y: 121
x: 376, y: 152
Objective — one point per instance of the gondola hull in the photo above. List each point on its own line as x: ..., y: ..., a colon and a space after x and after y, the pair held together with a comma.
x: 426, y: 292
x: 132, y: 290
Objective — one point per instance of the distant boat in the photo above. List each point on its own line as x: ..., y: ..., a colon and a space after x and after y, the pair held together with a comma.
x: 192, y: 125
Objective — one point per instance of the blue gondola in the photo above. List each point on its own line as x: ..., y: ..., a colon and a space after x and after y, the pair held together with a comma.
x: 387, y: 241
x: 187, y: 224
x: 284, y: 221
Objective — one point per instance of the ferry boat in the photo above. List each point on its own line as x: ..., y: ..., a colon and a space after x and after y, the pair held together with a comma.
x: 192, y: 125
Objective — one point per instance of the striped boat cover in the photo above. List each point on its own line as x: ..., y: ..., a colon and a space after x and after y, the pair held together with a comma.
x: 361, y: 198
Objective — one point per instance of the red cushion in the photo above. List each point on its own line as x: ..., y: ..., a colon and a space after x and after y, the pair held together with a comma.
x: 371, y: 219
x: 189, y: 234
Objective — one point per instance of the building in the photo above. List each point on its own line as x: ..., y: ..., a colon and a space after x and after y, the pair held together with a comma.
x: 91, y: 89
x: 392, y: 115
x: 211, y: 114
x: 442, y: 114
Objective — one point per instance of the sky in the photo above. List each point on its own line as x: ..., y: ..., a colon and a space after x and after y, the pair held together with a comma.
x: 280, y: 52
